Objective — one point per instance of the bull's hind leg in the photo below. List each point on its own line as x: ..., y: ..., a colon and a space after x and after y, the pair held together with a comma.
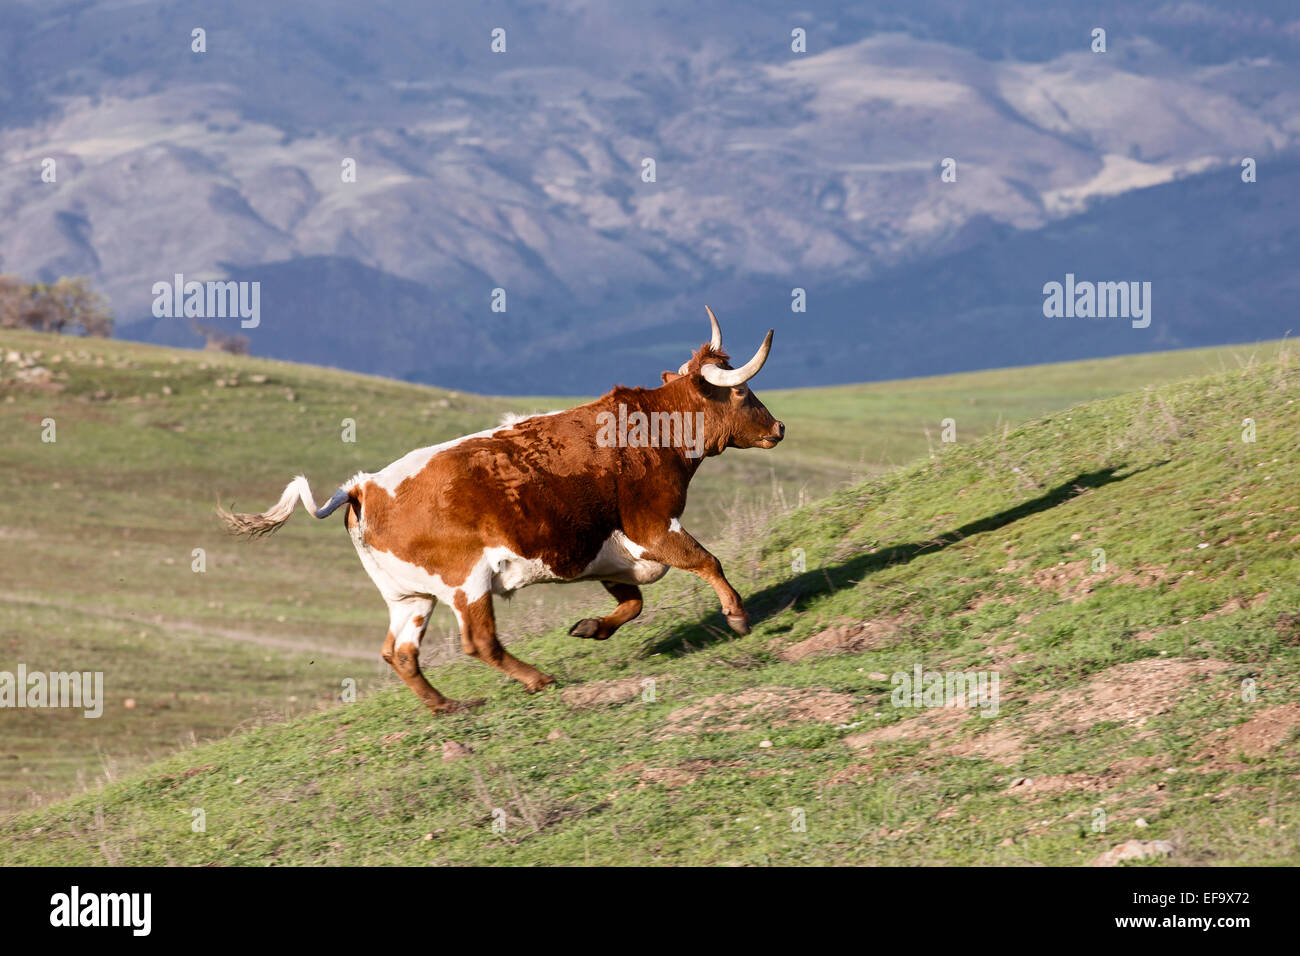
x: 478, y: 638
x: 628, y: 597
x: 407, y: 620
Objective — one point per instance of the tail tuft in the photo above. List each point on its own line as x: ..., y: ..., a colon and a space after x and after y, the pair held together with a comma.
x: 268, y: 521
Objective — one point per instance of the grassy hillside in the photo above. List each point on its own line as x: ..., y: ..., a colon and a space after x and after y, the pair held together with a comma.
x: 1154, y: 694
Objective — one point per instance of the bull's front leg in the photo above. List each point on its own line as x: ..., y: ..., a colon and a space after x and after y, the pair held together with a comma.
x: 671, y: 544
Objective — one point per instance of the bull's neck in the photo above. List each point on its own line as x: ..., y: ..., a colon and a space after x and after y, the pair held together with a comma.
x: 682, y: 456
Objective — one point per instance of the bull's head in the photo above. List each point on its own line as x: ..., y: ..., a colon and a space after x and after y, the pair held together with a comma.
x: 733, y: 415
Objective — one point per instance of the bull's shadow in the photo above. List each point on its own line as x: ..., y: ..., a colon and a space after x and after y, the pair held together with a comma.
x: 848, y: 573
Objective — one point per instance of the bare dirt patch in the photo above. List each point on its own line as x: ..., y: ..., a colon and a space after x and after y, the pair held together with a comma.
x: 671, y: 777
x: 1236, y: 604
x: 1127, y: 694
x: 1062, y: 578
x: 1288, y: 626
x: 766, y: 706
x: 983, y: 601
x: 1143, y: 577
x: 1059, y: 783
x: 175, y: 778
x: 1257, y: 737
x: 1108, y: 781
x: 617, y: 691
x: 844, y: 639
x: 857, y: 773
x: 1072, y: 580
x: 1000, y: 745
x: 676, y: 777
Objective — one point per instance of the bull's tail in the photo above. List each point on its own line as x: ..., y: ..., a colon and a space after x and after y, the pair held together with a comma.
x: 271, y: 519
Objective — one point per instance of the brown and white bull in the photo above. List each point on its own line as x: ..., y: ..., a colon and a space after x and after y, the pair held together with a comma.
x: 592, y: 493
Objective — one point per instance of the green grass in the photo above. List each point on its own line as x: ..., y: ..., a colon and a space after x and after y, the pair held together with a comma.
x: 1122, y: 689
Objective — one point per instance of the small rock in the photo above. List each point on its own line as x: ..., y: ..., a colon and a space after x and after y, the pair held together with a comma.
x: 1141, y: 822
x: 1007, y: 842
x: 129, y: 703
x: 765, y: 743
x: 452, y: 750
x: 557, y: 734
x: 876, y: 675
x: 1134, y: 850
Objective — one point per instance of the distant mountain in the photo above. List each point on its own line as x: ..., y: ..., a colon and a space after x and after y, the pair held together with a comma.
x: 523, y: 171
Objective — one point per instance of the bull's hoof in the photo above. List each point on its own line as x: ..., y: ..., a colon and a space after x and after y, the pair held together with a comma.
x: 739, y: 623
x: 543, y: 681
x: 588, y: 627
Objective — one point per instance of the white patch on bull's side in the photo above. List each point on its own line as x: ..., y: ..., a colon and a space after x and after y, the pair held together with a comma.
x: 620, y: 559
x: 674, y: 525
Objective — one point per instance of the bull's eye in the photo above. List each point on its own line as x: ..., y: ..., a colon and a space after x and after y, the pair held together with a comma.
x: 740, y: 391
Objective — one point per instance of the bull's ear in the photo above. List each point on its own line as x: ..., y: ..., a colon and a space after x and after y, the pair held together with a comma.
x: 669, y: 377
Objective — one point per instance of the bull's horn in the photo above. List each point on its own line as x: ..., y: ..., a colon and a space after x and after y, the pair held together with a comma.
x: 730, y: 378
x: 715, y: 341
